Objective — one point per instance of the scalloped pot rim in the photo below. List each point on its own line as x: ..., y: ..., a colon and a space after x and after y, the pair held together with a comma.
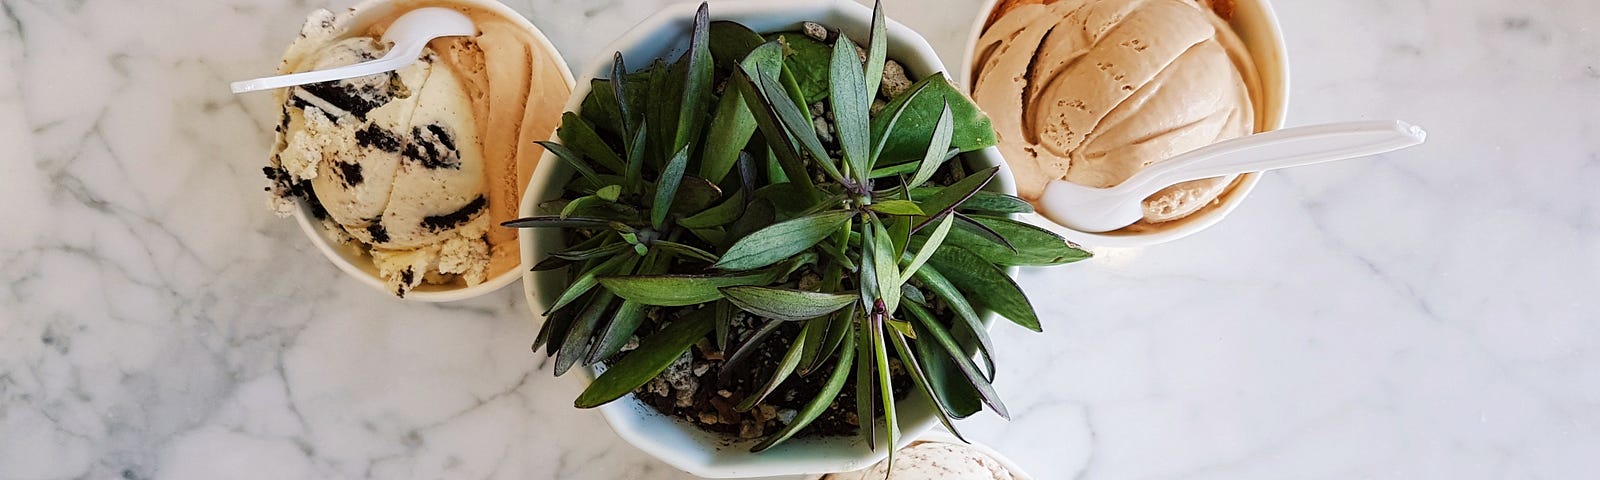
x: 674, y: 442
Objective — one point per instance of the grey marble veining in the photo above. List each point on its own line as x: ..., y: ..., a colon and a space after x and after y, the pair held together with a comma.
x: 1427, y: 314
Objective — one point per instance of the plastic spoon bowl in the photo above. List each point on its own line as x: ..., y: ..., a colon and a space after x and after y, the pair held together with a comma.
x: 407, y: 36
x: 1090, y: 209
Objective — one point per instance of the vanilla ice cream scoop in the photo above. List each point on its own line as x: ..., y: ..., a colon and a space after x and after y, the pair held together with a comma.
x: 1092, y: 91
x: 934, y: 461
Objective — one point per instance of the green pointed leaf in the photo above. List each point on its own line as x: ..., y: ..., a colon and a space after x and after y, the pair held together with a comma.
x: 935, y: 333
x: 987, y: 202
x: 694, y: 195
x: 782, y: 240
x: 785, y: 368
x: 909, y: 141
x: 572, y: 159
x: 626, y: 99
x: 579, y: 335
x: 958, y: 397
x: 807, y: 59
x: 697, y: 82
x: 896, y: 207
x: 820, y: 403
x: 585, y: 254
x: 580, y: 204
x: 680, y: 290
x: 555, y: 326
x: 851, y: 103
x: 899, y: 234
x: 783, y: 119
x: 985, y: 284
x: 894, y: 170
x: 866, y: 411
x: 986, y: 234
x: 731, y: 41
x: 786, y: 304
x: 746, y: 349
x: 925, y: 251
x: 636, y: 368
x: 838, y: 326
x: 885, y: 385
x: 637, y: 151
x: 795, y: 120
x: 667, y: 187
x: 937, y: 150
x: 731, y: 128
x: 616, y: 333
x: 1034, y: 246
x: 949, y: 198
x: 725, y: 312
x: 877, y: 51
x: 758, y: 214
x: 600, y: 107
x: 886, y: 267
x: 627, y: 319
x: 588, y: 280
x: 869, y: 267
x: 914, y: 368
x: 816, y: 337
x: 609, y: 193
x: 680, y: 250
x: 581, y: 138
x: 890, y: 122
x: 966, y: 318
x: 719, y: 215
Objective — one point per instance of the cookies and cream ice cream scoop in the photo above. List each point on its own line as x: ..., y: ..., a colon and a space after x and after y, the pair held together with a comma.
x: 1091, y: 91
x: 407, y: 171
x: 394, y: 161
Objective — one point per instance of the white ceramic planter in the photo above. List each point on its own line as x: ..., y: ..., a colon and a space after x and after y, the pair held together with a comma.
x: 680, y: 444
x: 1257, y: 27
x: 356, y: 263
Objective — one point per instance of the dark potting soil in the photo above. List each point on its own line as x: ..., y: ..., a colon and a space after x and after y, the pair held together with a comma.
x: 692, y: 390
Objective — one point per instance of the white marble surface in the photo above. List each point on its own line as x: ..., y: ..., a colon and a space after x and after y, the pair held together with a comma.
x: 1431, y: 314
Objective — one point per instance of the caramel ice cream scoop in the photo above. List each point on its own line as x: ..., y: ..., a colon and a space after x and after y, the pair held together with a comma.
x: 1092, y: 91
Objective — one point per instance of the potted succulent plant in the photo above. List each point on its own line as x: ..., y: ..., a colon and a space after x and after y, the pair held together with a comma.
x: 761, y: 237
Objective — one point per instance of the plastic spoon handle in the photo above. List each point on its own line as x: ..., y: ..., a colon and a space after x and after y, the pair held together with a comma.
x: 1290, y: 147
x: 399, y: 56
x: 409, y: 34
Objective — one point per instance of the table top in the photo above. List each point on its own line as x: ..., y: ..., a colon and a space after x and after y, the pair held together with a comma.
x: 1425, y: 314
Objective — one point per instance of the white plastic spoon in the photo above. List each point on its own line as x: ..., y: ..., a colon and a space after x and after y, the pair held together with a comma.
x: 407, y: 35
x: 1089, y: 209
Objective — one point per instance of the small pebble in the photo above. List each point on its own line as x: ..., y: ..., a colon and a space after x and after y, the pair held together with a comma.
x: 877, y: 105
x: 749, y: 429
x: 815, y: 30
x: 895, y: 81
x: 787, y: 415
x: 709, y: 418
x: 824, y: 130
